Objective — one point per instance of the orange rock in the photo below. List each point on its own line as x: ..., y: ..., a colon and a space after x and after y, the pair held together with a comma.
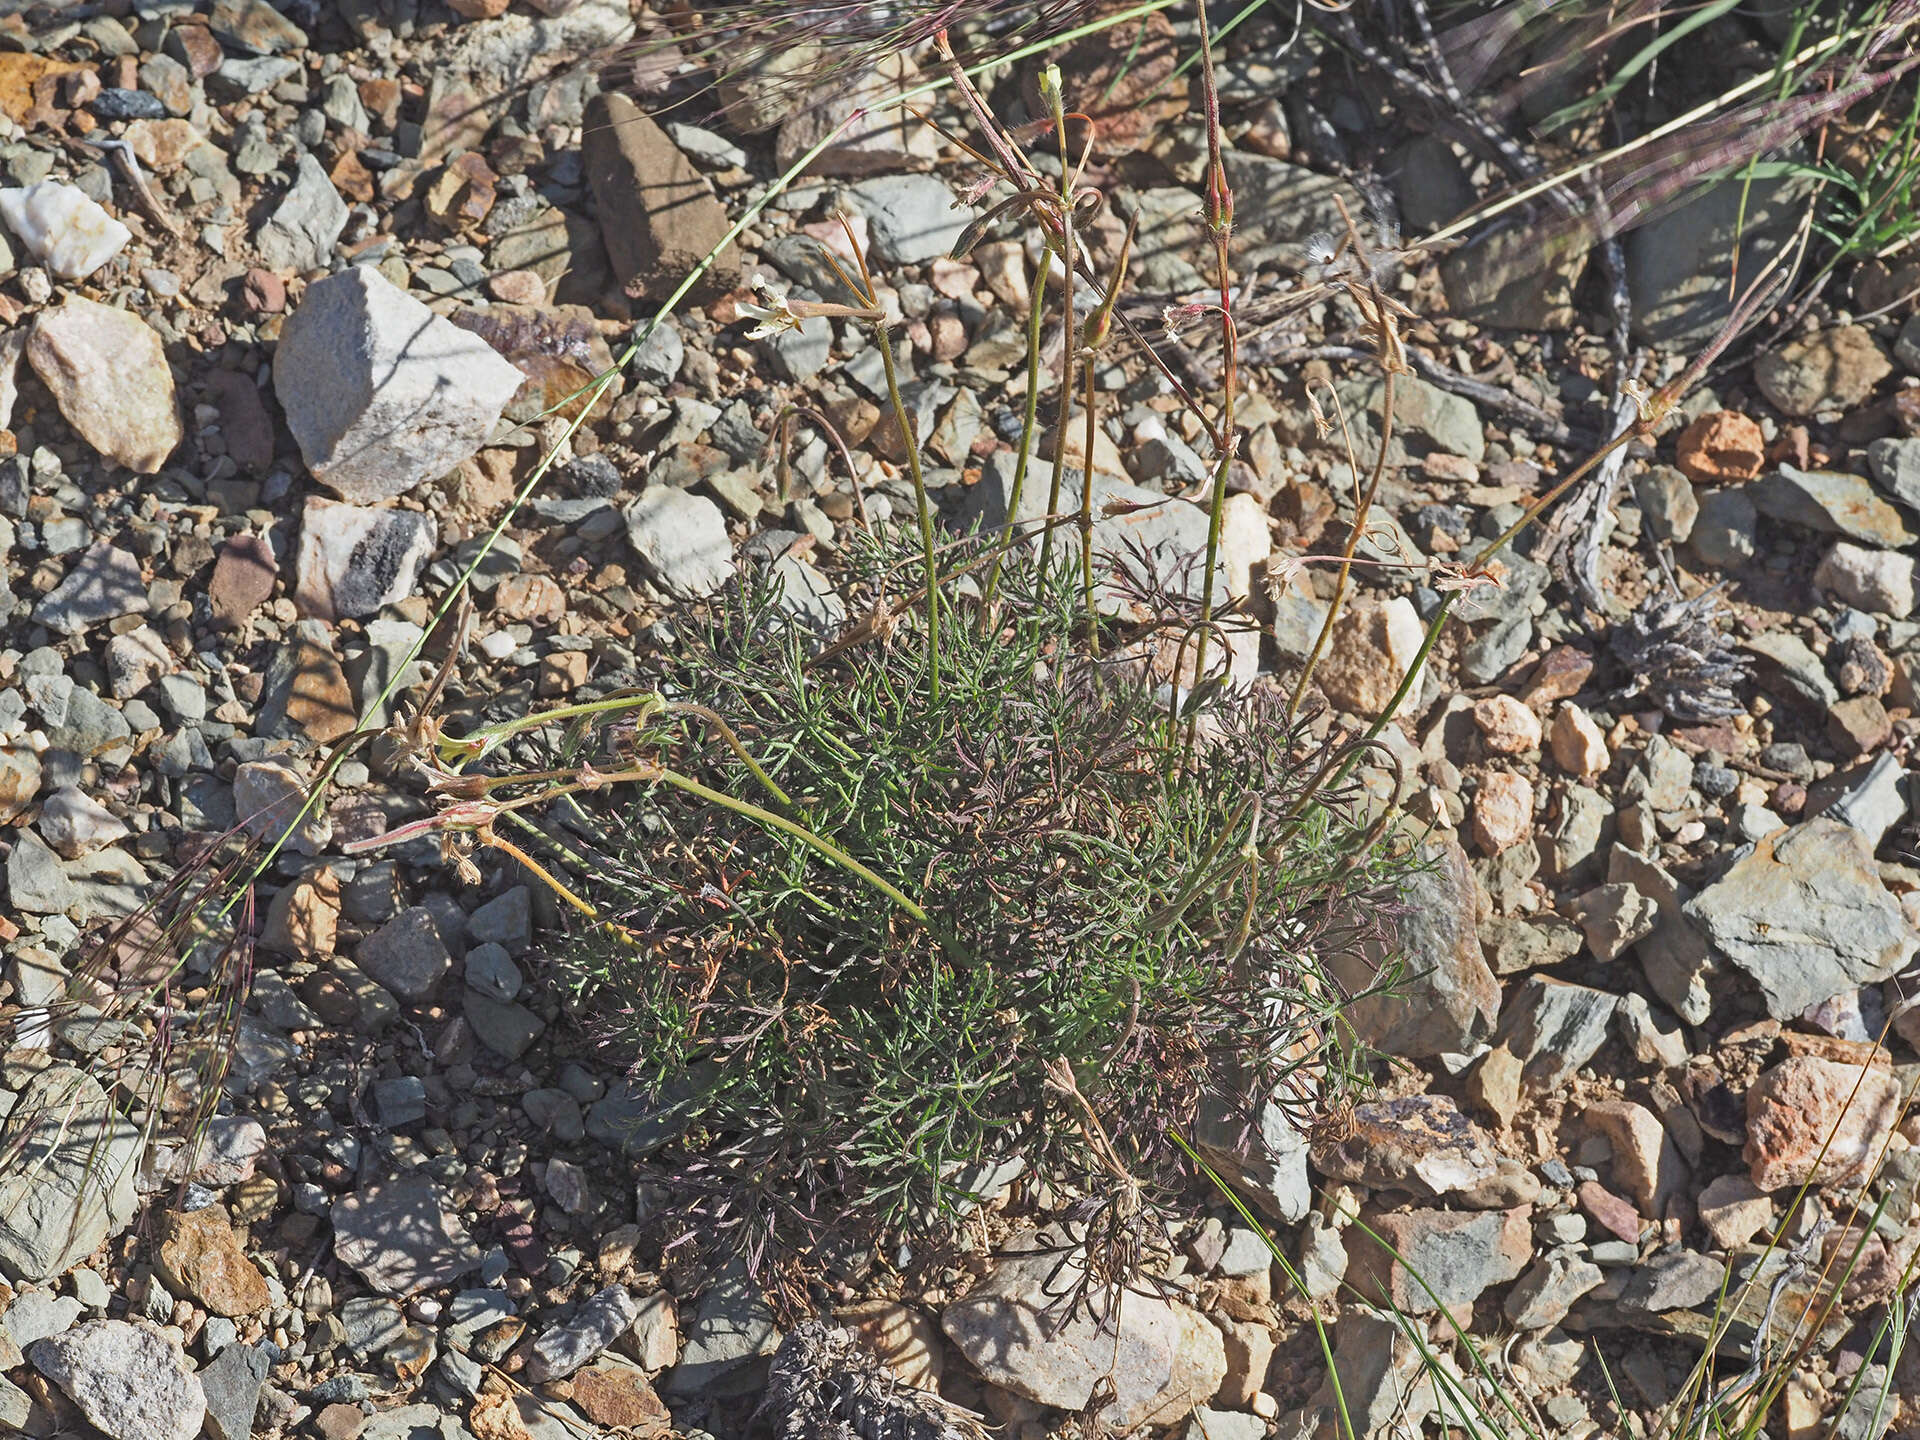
x: 199, y: 1255
x: 1814, y: 1119
x: 1719, y: 447
x: 19, y: 73
x: 619, y: 1397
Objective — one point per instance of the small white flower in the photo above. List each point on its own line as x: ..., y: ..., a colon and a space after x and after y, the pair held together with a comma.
x: 774, y: 314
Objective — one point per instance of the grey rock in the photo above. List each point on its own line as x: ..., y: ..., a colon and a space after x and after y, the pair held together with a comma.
x: 1265, y: 1161
x: 1163, y: 1359
x: 732, y: 1327
x: 70, y: 1185
x: 1652, y: 1036
x: 1871, y: 1404
x: 1789, y: 657
x: 455, y: 1375
x: 1210, y: 1424
x: 1730, y: 227
x: 1869, y: 579
x: 1496, y: 651
x: 1379, y: 1363
x: 911, y: 219
x: 1896, y: 468
x: 1541, y: 1297
x: 563, y: 1349
x: 506, y: 920
x: 1447, y: 998
x: 639, y: 1121
x: 506, y: 1028
x: 354, y: 560
x: 682, y: 540
x: 407, y: 954
x: 304, y: 227
x: 1280, y: 207
x: 1553, y: 1028
x: 1323, y: 1259
x: 798, y: 354
x: 1804, y: 913
x: 102, y: 584
x: 1516, y: 278
x: 1577, y: 830
x: 240, y: 76
x: 36, y: 1314
x: 381, y: 393
x: 1833, y: 503
x: 400, y: 1100
x: 128, y: 1378
x: 556, y: 1113
x: 75, y: 824
x: 413, y: 1422
x: 473, y: 1311
x: 37, y: 882
x: 232, y: 1385
x: 1874, y: 801
x: 401, y: 1238
x: 1667, y: 501
x: 1421, y: 1260
x: 1676, y: 1280
x: 1726, y: 529
x: 89, y: 727
x: 491, y: 971
x: 16, y: 1407
x: 660, y: 355
x: 1426, y: 420
x: 340, y: 103
x: 807, y: 599
x: 271, y: 801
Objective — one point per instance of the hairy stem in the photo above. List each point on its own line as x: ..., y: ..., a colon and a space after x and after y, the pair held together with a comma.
x: 1036, y: 315
x: 799, y: 832
x: 912, y: 444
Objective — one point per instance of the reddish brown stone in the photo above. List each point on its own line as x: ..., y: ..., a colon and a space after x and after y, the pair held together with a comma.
x: 1610, y: 1212
x: 1561, y: 674
x: 1721, y: 447
x: 658, y: 215
x: 264, y: 292
x: 243, y: 579
x: 1123, y: 80
x: 381, y: 97
x: 194, y: 46
x: 243, y: 419
x: 352, y: 178
x: 619, y: 1397
x: 1859, y: 725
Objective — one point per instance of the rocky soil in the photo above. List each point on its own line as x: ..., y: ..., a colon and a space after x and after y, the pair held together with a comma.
x: 279, y: 288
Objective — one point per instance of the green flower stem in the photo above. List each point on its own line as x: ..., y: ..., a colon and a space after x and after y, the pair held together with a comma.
x: 1220, y: 226
x: 1362, y: 508
x: 1036, y: 316
x: 714, y: 719
x: 799, y: 832
x: 912, y: 444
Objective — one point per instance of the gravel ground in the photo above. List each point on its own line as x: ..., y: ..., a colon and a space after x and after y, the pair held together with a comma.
x: 281, y: 290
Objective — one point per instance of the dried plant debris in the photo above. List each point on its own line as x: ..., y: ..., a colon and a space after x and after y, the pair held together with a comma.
x: 1679, y: 658
x: 826, y: 1385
